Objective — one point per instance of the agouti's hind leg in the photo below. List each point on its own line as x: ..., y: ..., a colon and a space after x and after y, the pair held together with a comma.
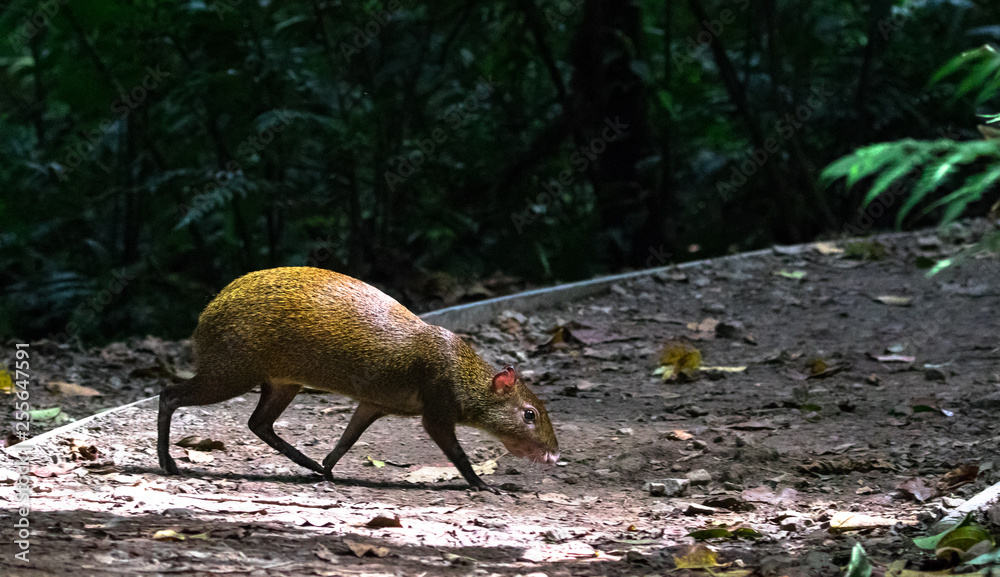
x: 273, y: 401
x: 362, y: 418
x: 198, y: 390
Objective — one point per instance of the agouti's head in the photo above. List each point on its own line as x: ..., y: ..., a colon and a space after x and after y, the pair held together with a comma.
x: 519, y: 419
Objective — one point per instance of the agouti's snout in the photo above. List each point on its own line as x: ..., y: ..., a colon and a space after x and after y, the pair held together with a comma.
x: 286, y: 328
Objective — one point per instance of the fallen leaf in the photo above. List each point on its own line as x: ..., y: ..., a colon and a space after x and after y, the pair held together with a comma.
x: 199, y: 444
x: 916, y: 488
x: 679, y: 358
x: 199, y: 456
x: 895, y: 301
x: 961, y: 475
x: 375, y: 462
x: 859, y: 565
x: 827, y: 248
x: 793, y: 275
x: 678, y: 435
x: 168, y: 535
x: 851, y: 521
x: 382, y: 522
x: 54, y: 414
x: 696, y: 557
x: 323, y: 553
x: 71, y: 389
x: 362, y: 549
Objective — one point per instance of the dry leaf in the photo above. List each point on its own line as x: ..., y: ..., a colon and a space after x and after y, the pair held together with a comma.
x: 827, y: 248
x: 199, y: 444
x: 71, y: 389
x: 895, y: 301
x: 850, y: 521
x: 382, y: 522
x: 324, y: 553
x: 916, y: 488
x: 362, y: 549
x: 678, y: 435
x: 199, y: 456
x: 168, y: 535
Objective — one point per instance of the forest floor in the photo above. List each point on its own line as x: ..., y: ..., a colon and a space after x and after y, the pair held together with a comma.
x: 869, y: 395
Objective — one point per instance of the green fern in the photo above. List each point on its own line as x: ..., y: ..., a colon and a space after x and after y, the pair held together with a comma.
x: 935, y: 164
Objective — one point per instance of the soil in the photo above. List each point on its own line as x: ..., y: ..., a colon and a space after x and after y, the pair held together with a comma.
x: 865, y: 383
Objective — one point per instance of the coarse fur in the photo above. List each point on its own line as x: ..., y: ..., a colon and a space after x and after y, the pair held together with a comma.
x: 285, y: 328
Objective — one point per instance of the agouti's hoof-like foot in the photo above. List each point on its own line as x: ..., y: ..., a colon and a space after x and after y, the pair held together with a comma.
x: 328, y: 475
x: 490, y: 489
x: 170, y: 468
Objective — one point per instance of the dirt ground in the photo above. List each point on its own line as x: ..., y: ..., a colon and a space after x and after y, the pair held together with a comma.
x: 865, y: 383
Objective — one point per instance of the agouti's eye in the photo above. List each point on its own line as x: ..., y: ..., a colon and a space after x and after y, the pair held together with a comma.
x: 529, y: 416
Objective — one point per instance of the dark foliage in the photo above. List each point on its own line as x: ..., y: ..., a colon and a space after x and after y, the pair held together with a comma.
x: 152, y: 151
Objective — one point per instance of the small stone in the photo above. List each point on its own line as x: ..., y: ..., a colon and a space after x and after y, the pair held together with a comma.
x: 696, y: 411
x: 626, y: 431
x: 951, y: 502
x: 699, y: 477
x: 667, y: 487
x: 934, y: 374
x: 699, y: 444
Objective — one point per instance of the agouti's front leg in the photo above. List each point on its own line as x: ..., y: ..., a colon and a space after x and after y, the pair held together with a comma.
x: 362, y: 418
x: 444, y: 435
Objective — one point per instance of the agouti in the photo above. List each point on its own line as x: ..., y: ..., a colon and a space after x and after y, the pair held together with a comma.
x: 285, y: 328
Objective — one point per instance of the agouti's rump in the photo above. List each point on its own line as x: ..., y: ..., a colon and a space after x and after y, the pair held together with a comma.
x: 286, y: 328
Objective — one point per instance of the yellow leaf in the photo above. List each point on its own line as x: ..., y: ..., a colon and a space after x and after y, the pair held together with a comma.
x: 378, y: 464
x: 168, y: 535
x: 696, y: 557
x: 827, y: 248
x: 679, y: 358
x: 6, y: 383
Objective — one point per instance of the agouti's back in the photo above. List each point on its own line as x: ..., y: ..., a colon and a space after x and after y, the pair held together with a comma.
x: 286, y: 328
x: 320, y: 329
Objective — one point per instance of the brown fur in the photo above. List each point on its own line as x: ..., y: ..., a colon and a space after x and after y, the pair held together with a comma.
x: 285, y: 328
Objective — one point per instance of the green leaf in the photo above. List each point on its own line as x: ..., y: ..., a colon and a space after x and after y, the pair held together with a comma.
x: 978, y: 75
x: 45, y: 414
x: 959, y: 61
x: 932, y: 541
x: 971, y: 191
x: 859, y: 565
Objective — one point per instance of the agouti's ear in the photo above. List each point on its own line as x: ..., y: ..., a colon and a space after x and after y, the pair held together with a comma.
x: 503, y: 382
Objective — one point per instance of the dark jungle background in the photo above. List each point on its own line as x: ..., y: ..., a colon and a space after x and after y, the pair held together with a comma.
x: 150, y: 151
